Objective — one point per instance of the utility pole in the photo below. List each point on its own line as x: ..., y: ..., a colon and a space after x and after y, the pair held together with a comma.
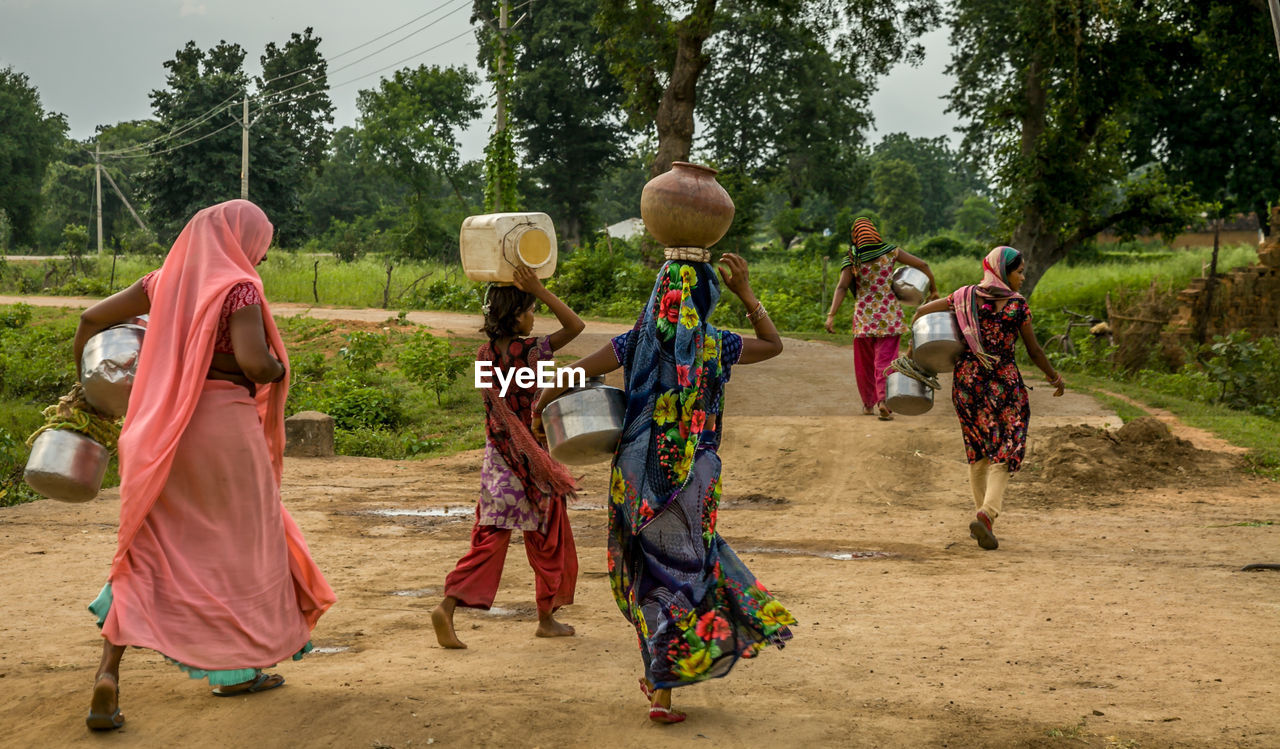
x: 500, y: 127
x: 244, y: 149
x: 97, y: 188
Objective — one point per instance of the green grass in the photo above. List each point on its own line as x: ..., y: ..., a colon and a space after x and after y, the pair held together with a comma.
x: 1255, y: 433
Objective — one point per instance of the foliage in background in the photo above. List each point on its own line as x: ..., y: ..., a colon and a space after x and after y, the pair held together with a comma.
x: 429, y: 362
x: 1045, y: 89
x: 410, y: 124
x: 29, y: 138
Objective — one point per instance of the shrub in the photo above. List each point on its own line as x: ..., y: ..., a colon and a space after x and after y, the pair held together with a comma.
x: 593, y: 278
x: 353, y: 405
x: 363, y: 350
x: 429, y: 362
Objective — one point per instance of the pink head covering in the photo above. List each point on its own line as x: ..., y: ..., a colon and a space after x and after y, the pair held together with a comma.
x: 994, y: 285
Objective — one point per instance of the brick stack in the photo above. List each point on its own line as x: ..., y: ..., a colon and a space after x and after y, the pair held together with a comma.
x: 1243, y: 299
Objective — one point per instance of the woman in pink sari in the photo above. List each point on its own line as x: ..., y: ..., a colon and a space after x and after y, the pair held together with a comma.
x: 209, y: 570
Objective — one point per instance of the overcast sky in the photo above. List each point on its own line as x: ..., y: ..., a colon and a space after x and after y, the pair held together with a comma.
x: 96, y: 61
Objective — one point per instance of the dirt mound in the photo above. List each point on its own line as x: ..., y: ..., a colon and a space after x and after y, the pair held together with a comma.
x: 1142, y: 454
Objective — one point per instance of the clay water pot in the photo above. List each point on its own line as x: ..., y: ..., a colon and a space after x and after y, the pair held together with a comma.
x: 686, y: 207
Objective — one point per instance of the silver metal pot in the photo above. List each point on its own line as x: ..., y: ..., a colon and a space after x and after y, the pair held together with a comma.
x: 66, y: 465
x: 906, y: 395
x: 936, y: 341
x: 584, y: 424
x: 911, y: 286
x: 108, y: 365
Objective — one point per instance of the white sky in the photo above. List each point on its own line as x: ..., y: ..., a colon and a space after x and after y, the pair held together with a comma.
x: 96, y: 61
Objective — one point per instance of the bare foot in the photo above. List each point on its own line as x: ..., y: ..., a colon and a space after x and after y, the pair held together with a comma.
x: 442, y: 620
x: 104, y: 709
x: 549, y: 627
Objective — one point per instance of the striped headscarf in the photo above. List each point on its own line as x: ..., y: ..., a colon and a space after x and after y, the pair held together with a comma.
x: 865, y: 241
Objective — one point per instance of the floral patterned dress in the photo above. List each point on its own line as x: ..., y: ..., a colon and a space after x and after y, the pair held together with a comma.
x: 992, y: 403
x: 877, y: 312
x: 695, y: 606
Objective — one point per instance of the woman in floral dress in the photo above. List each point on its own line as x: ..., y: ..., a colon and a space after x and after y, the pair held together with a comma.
x: 987, y: 390
x: 695, y: 606
x: 877, y: 315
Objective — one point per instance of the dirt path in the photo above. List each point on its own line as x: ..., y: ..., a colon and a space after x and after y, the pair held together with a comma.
x: 1108, y: 617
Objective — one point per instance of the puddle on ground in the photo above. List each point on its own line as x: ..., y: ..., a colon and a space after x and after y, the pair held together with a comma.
x: 843, y: 556
x: 430, y: 512
x: 419, y: 593
x: 330, y: 650
x: 576, y: 506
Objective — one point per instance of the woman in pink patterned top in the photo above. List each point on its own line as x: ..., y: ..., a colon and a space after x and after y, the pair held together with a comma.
x: 521, y: 486
x: 877, y: 315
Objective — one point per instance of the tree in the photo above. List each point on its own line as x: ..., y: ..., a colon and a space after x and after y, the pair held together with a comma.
x: 289, y: 133
x: 784, y: 114
x: 1046, y: 88
x: 29, y: 140
x: 409, y: 124
x: 564, y: 106
x: 198, y: 162
x: 657, y: 50
x: 186, y: 174
x: 898, y: 198
x: 1214, y: 124
x: 944, y: 175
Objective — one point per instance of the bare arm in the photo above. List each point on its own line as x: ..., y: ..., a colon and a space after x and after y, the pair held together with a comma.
x: 767, y: 343
x: 570, y: 324
x: 1037, y: 355
x: 906, y: 258
x: 249, y: 341
x: 842, y: 288
x: 602, y: 362
x: 118, y: 307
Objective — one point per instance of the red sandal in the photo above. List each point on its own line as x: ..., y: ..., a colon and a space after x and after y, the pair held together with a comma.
x: 665, y: 715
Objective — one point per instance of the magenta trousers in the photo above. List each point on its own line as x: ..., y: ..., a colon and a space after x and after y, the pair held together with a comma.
x: 871, y: 356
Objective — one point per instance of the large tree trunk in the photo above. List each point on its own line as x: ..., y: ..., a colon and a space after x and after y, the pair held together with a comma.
x: 1039, y: 245
x: 674, y: 120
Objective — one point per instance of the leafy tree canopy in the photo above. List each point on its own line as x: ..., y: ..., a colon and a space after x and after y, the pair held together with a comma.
x: 29, y: 140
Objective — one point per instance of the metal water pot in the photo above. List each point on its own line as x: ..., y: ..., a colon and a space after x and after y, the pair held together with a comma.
x: 584, y: 424
x: 910, y: 285
x: 907, y: 395
x: 107, y: 368
x: 66, y: 465
x: 936, y: 341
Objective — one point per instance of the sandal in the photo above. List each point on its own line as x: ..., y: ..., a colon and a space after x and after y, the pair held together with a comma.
x: 261, y: 683
x: 885, y: 413
x: 644, y: 687
x: 665, y: 715
x: 101, y: 721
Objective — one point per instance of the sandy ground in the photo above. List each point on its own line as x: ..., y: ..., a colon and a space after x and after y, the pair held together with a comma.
x: 1110, y: 615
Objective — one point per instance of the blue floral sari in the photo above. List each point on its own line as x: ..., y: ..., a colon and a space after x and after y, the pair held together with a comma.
x: 696, y: 608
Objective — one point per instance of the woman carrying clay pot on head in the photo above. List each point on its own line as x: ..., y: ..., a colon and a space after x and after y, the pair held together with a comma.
x: 695, y: 606
x: 209, y: 570
x: 877, y: 315
x: 987, y: 389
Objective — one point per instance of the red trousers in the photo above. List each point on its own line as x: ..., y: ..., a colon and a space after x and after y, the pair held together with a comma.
x: 553, y: 557
x: 871, y: 356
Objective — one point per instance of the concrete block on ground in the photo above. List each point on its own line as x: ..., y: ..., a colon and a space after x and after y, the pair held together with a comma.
x: 308, y: 434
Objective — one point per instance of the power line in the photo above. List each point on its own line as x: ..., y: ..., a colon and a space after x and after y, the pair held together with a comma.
x: 371, y: 41
x: 227, y: 103
x: 180, y: 146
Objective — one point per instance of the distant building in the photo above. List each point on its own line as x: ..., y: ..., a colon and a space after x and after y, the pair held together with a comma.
x: 626, y: 228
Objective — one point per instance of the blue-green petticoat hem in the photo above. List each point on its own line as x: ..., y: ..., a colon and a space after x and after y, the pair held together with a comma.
x: 102, y: 604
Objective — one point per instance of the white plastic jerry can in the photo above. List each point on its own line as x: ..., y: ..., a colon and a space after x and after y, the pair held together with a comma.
x: 493, y: 245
